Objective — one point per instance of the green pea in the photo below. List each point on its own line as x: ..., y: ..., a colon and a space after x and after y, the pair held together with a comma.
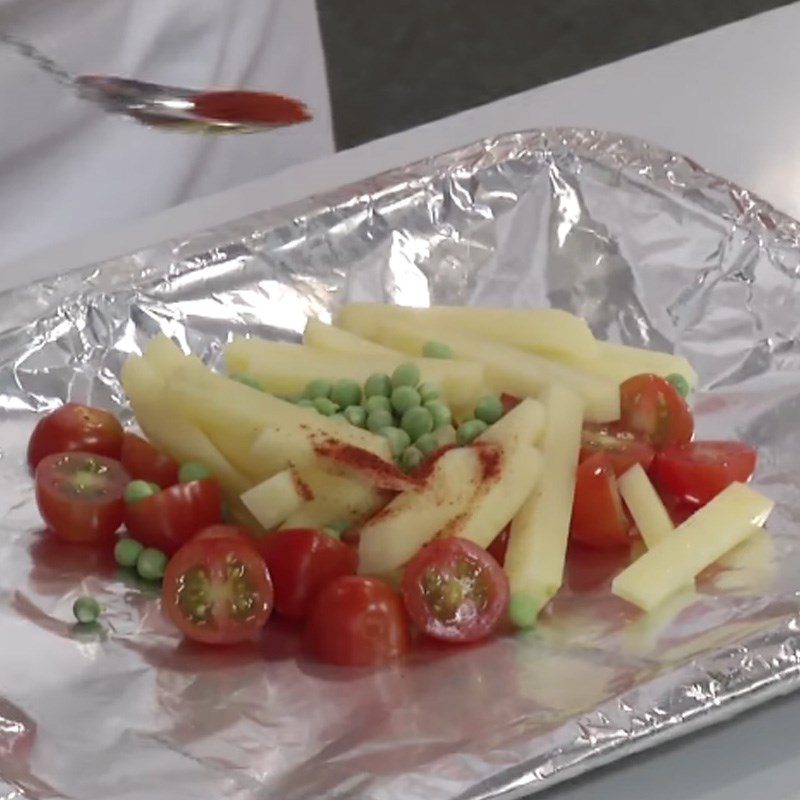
x: 339, y: 526
x: 416, y: 422
x: 489, y: 409
x: 426, y: 444
x: 192, y: 471
x: 247, y: 380
x: 356, y: 415
x: 379, y: 384
x: 151, y: 564
x: 440, y: 413
x: 136, y: 491
x: 470, y: 430
x: 86, y: 610
x: 411, y: 457
x: 398, y: 439
x: 325, y: 406
x: 154, y: 486
x: 319, y: 387
x: 406, y: 374
x: 434, y: 349
x: 126, y: 552
x: 380, y: 418
x: 339, y: 417
x: 523, y: 610
x: 377, y: 401
x: 427, y: 392
x: 445, y: 435
x: 405, y: 397
x: 305, y: 402
x: 680, y: 383
x: 346, y: 392
x: 332, y: 532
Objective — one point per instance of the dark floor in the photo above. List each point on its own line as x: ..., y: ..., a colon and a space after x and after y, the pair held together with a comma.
x: 399, y: 63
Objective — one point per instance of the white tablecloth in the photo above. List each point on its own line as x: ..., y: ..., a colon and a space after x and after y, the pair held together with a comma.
x: 729, y: 99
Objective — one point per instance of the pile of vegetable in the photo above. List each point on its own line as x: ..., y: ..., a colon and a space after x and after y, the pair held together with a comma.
x: 405, y: 473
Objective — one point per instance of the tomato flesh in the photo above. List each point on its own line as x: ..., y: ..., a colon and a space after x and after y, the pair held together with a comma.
x: 301, y: 562
x: 357, y: 621
x: 598, y: 516
x: 168, y: 519
x: 652, y: 407
x: 80, y: 495
x: 698, y: 471
x: 144, y: 462
x: 455, y: 591
x: 75, y: 427
x: 623, y: 448
x: 217, y: 589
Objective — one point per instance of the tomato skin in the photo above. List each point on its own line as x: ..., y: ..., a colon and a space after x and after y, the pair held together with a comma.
x: 144, y: 462
x: 75, y: 427
x: 357, y: 621
x: 170, y: 518
x: 598, y: 516
x: 209, y: 556
x: 509, y: 401
x: 653, y: 407
x: 698, y: 471
x: 477, y: 612
x: 80, y: 516
x: 623, y: 448
x: 301, y: 562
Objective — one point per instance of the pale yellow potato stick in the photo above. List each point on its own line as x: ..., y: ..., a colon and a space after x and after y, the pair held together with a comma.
x: 173, y: 433
x: 286, y: 369
x: 537, y: 545
x: 499, y: 498
x: 619, y: 362
x: 509, y: 369
x: 524, y: 424
x: 413, y: 518
x: 705, y: 536
x: 645, y: 505
x: 548, y: 330
x: 275, y: 499
x: 337, y: 340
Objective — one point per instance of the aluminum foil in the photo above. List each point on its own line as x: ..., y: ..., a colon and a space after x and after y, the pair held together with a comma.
x: 647, y: 246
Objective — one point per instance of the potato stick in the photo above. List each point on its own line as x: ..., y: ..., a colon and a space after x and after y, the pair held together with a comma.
x: 509, y: 369
x: 221, y: 403
x: 537, y: 544
x: 498, y: 499
x: 394, y: 534
x: 237, y: 448
x: 275, y: 499
x: 645, y: 505
x: 524, y: 424
x: 548, y: 330
x: 705, y: 536
x: 336, y: 340
x: 285, y: 369
x: 172, y: 433
x: 619, y: 362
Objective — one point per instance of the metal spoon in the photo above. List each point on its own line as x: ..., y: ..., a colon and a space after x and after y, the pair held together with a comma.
x: 149, y: 103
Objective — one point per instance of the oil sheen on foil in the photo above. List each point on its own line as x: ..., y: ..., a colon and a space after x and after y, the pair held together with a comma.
x: 651, y: 250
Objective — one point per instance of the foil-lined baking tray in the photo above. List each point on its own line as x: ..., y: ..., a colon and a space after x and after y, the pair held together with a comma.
x: 651, y: 250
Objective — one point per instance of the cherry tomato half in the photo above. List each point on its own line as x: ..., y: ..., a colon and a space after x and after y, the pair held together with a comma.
x: 80, y: 495
x: 623, y: 448
x: 598, y: 516
x: 509, y: 401
x: 144, y: 462
x: 170, y: 518
x: 699, y: 471
x: 357, y: 621
x: 301, y: 562
x: 455, y: 591
x: 217, y: 589
x: 652, y: 407
x: 75, y: 427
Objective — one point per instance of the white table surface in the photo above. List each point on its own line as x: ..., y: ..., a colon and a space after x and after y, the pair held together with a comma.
x: 730, y: 100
